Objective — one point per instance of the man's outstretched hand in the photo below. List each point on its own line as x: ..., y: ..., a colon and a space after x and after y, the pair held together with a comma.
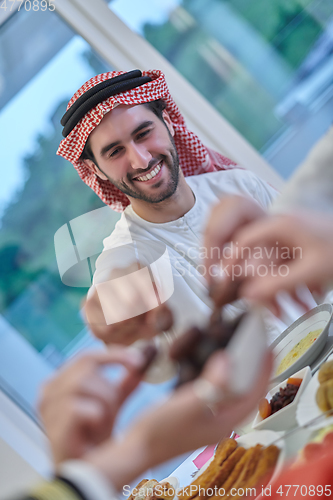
x: 79, y: 405
x: 114, y: 309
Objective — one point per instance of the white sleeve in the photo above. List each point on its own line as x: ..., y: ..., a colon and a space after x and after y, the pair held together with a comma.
x: 88, y: 479
x: 265, y: 193
x: 260, y: 190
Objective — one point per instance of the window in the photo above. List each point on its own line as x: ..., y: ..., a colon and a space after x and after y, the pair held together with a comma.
x: 42, y: 63
x: 267, y: 67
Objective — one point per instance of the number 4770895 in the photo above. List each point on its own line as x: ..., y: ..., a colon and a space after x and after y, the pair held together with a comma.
x: 35, y: 5
x: 304, y: 490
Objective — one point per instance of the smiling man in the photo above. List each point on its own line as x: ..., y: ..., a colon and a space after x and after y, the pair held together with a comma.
x: 128, y: 141
x: 133, y: 148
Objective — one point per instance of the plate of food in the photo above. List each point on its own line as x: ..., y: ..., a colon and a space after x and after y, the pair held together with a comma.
x: 317, y: 397
x: 277, y: 411
x: 302, y: 342
x: 241, y: 464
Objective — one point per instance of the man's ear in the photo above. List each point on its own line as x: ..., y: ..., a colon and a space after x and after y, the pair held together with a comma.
x: 91, y: 165
x: 168, y: 122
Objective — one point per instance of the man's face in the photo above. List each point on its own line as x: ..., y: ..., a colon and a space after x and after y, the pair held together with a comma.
x: 135, y: 150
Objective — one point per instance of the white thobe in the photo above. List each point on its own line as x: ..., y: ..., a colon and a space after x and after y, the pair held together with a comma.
x: 183, y: 239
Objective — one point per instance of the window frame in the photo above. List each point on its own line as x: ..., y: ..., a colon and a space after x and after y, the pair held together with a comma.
x: 114, y: 41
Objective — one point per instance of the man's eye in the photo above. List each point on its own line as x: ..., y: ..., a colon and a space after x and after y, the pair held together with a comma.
x: 114, y: 152
x: 143, y: 134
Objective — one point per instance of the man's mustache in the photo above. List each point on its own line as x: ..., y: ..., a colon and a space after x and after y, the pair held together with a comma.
x: 152, y: 164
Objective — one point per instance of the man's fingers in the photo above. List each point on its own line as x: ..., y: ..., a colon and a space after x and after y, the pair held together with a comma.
x: 216, y: 369
x: 114, y: 354
x: 160, y: 318
x: 260, y: 233
x: 127, y: 385
x: 82, y: 376
x: 265, y: 289
x: 228, y: 216
x: 225, y: 220
x: 224, y: 291
x: 83, y: 426
x: 124, y: 332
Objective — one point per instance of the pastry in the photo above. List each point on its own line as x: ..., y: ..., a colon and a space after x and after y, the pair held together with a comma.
x: 152, y: 490
x: 324, y: 396
x: 232, y: 467
x: 326, y: 372
x: 224, y: 450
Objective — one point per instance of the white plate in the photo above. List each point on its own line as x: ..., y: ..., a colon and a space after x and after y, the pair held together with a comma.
x: 285, y: 418
x: 203, y: 468
x: 172, y: 480
x: 328, y: 349
x: 318, y: 318
x: 307, y: 408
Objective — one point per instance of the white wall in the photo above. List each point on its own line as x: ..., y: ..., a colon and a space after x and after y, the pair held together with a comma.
x: 24, y: 452
x: 24, y: 455
x: 16, y: 475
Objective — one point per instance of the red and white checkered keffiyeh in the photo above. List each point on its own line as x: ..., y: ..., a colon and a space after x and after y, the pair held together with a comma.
x: 194, y: 157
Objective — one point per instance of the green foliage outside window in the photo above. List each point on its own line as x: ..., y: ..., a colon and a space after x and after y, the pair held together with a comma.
x: 236, y: 77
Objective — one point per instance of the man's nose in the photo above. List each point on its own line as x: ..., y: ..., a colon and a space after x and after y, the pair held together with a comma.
x: 139, y: 156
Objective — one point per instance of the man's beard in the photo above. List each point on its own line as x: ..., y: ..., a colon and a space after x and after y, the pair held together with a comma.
x: 170, y: 162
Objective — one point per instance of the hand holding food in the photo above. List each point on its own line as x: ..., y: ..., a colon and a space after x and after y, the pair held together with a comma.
x: 311, y: 265
x: 78, y: 406
x: 183, y: 423
x: 126, y: 331
x: 226, y: 218
x: 195, y: 346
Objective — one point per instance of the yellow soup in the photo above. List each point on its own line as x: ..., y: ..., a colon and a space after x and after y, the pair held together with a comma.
x: 297, y: 351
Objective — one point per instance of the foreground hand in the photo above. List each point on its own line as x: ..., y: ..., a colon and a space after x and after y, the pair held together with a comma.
x: 226, y: 218
x: 79, y: 405
x: 181, y: 424
x: 192, y: 421
x: 301, y: 244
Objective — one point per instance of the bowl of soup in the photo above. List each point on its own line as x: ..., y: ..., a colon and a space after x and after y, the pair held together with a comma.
x: 302, y: 342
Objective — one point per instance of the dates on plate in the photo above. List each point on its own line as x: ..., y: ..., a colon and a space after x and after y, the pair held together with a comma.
x: 281, y: 399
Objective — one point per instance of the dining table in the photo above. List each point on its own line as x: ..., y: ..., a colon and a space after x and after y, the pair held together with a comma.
x: 291, y: 440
